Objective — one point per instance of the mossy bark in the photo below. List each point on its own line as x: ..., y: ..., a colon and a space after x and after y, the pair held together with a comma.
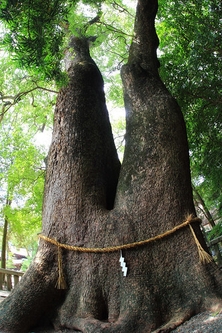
x: 166, y: 283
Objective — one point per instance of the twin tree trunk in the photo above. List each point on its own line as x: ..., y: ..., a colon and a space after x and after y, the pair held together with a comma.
x: 91, y: 202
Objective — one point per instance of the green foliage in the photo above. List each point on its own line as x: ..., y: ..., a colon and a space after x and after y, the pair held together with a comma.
x: 30, y: 97
x: 215, y: 232
x: 9, y: 263
x: 34, y: 34
x: 22, y: 181
x: 32, y: 250
x: 118, y: 128
x: 26, y: 110
x: 191, y: 67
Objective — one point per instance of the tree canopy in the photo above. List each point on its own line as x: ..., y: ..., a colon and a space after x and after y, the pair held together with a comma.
x: 33, y: 34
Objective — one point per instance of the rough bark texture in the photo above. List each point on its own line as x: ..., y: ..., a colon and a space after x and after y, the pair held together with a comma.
x: 166, y: 283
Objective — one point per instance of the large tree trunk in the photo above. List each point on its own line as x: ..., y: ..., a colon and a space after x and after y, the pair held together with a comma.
x: 165, y: 282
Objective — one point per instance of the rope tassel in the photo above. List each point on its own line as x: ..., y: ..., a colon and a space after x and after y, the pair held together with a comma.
x: 204, y: 256
x: 61, y: 283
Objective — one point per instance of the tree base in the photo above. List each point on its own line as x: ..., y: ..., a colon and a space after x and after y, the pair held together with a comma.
x: 186, y: 323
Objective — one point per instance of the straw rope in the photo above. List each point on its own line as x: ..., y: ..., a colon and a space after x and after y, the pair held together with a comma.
x: 119, y: 247
x: 61, y: 283
x: 204, y: 256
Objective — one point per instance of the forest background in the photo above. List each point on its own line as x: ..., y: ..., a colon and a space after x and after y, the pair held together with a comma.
x: 190, y: 55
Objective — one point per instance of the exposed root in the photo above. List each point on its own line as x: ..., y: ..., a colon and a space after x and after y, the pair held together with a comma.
x: 176, y: 321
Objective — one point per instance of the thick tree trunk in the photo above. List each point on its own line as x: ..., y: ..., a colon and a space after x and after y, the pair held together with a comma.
x: 165, y: 282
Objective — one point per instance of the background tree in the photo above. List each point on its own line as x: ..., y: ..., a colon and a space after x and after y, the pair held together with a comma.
x: 21, y: 181
x: 191, y: 68
x: 22, y: 166
x: 166, y: 283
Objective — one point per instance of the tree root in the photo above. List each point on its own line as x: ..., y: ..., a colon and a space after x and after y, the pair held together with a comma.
x: 176, y: 321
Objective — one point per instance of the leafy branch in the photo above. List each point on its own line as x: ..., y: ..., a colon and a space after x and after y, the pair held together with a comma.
x: 9, y: 101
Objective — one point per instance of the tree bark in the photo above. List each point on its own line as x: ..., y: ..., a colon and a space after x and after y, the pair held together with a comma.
x: 4, y: 237
x: 205, y: 210
x: 165, y: 282
x: 4, y: 243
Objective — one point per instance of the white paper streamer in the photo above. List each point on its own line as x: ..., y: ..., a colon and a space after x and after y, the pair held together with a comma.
x: 123, y: 264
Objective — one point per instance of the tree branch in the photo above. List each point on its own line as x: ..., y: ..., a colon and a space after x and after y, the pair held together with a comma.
x: 121, y: 9
x: 113, y: 29
x: 205, y: 210
x: 17, y: 98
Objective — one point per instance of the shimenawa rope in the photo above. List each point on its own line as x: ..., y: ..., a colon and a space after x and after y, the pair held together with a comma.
x: 61, y: 284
